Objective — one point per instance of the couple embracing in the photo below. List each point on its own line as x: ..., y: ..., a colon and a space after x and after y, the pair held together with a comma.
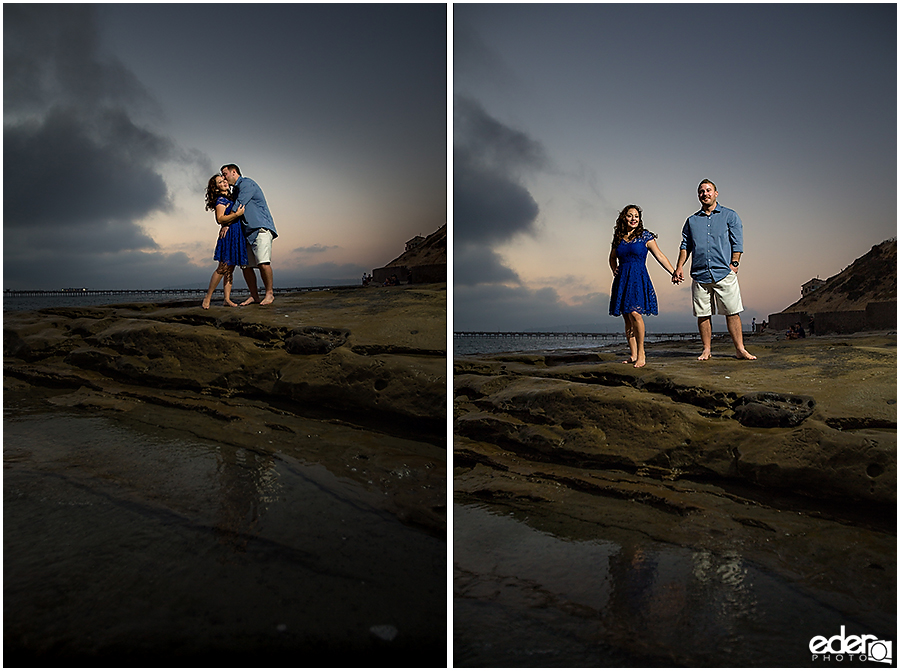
x: 245, y: 235
x: 714, y: 237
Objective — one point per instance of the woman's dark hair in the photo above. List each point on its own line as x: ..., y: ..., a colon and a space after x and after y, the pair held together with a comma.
x: 622, y: 227
x: 212, y: 192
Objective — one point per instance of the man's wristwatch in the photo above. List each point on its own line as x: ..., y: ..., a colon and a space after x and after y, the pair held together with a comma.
x: 735, y: 263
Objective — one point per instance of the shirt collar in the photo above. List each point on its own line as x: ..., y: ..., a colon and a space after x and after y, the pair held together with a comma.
x: 717, y: 208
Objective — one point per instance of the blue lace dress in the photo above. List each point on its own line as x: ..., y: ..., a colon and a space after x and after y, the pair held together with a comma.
x: 232, y: 249
x: 632, y: 290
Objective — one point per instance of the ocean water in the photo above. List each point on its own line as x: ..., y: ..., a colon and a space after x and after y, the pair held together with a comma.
x: 464, y: 345
x: 17, y: 303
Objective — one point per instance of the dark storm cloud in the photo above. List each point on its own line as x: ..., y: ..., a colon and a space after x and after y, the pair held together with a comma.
x: 71, y: 169
x: 49, y: 54
x: 81, y: 169
x: 480, y: 265
x: 490, y: 203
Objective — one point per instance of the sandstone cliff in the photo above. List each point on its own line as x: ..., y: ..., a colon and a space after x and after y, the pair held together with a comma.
x: 871, y: 278
x: 425, y: 262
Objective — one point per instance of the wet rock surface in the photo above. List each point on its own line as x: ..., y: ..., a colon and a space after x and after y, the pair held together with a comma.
x: 197, y: 487
x: 369, y: 358
x: 815, y: 417
x: 360, y: 352
x: 787, y: 463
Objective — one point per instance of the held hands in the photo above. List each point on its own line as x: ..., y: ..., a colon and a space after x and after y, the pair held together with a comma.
x: 677, y: 276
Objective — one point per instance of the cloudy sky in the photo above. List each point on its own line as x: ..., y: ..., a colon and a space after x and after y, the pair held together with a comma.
x: 116, y: 115
x: 564, y: 114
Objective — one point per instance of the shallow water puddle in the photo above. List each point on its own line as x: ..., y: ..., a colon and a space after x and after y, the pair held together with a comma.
x: 525, y: 597
x: 120, y: 542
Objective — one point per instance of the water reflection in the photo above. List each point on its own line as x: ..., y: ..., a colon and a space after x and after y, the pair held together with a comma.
x: 122, y: 540
x: 247, y: 482
x: 639, y: 601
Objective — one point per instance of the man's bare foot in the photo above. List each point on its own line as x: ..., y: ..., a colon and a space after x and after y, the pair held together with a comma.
x: 252, y: 299
x: 744, y: 354
x: 230, y: 303
x: 268, y: 300
x: 704, y: 355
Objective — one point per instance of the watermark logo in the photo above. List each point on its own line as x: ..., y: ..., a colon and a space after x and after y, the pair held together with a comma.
x: 853, y: 648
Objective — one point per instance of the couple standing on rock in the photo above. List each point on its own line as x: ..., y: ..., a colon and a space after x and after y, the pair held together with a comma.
x: 714, y: 235
x: 245, y: 235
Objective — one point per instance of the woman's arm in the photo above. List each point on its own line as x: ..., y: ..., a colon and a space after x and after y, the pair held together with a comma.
x: 224, y: 219
x: 659, y: 256
x: 614, y: 261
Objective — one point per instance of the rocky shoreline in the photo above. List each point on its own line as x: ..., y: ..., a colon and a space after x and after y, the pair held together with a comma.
x: 353, y: 360
x: 786, y: 464
x: 815, y: 417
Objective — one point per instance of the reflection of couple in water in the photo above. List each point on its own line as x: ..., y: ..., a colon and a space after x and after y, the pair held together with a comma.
x: 245, y: 235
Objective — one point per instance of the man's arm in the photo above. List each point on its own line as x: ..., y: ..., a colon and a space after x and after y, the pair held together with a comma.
x: 247, y: 190
x: 678, y: 275
x: 736, y: 238
x: 683, y: 252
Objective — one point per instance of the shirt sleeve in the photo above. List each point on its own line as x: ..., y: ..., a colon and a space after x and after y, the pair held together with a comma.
x: 736, y: 233
x: 247, y: 190
x: 686, y: 242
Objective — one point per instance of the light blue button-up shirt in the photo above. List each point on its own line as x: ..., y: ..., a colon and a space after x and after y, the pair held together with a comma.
x: 256, y: 210
x: 711, y: 239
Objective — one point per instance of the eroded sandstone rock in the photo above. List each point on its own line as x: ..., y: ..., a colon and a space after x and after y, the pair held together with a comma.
x: 680, y: 418
x: 768, y: 410
x: 373, y: 359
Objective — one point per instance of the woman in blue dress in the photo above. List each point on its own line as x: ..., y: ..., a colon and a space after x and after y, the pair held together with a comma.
x: 632, y: 294
x: 231, y: 248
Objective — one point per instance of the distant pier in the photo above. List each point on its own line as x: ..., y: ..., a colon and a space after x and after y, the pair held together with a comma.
x: 152, y: 292
x: 570, y: 335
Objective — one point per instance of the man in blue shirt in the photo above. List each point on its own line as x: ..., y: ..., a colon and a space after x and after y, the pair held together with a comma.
x: 259, y: 229
x: 714, y: 237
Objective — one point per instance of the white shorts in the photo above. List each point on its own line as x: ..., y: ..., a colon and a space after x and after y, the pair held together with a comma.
x: 259, y: 247
x: 719, y: 298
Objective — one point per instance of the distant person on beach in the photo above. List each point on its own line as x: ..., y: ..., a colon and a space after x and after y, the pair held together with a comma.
x: 796, y: 331
x: 714, y: 238
x: 259, y: 229
x: 231, y: 246
x: 632, y: 294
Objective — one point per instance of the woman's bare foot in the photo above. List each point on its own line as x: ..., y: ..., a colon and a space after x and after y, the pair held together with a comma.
x: 205, y: 304
x: 230, y: 303
x: 641, y: 362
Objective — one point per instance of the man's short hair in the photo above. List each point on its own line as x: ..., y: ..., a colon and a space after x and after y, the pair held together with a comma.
x: 231, y: 166
x: 705, y: 181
